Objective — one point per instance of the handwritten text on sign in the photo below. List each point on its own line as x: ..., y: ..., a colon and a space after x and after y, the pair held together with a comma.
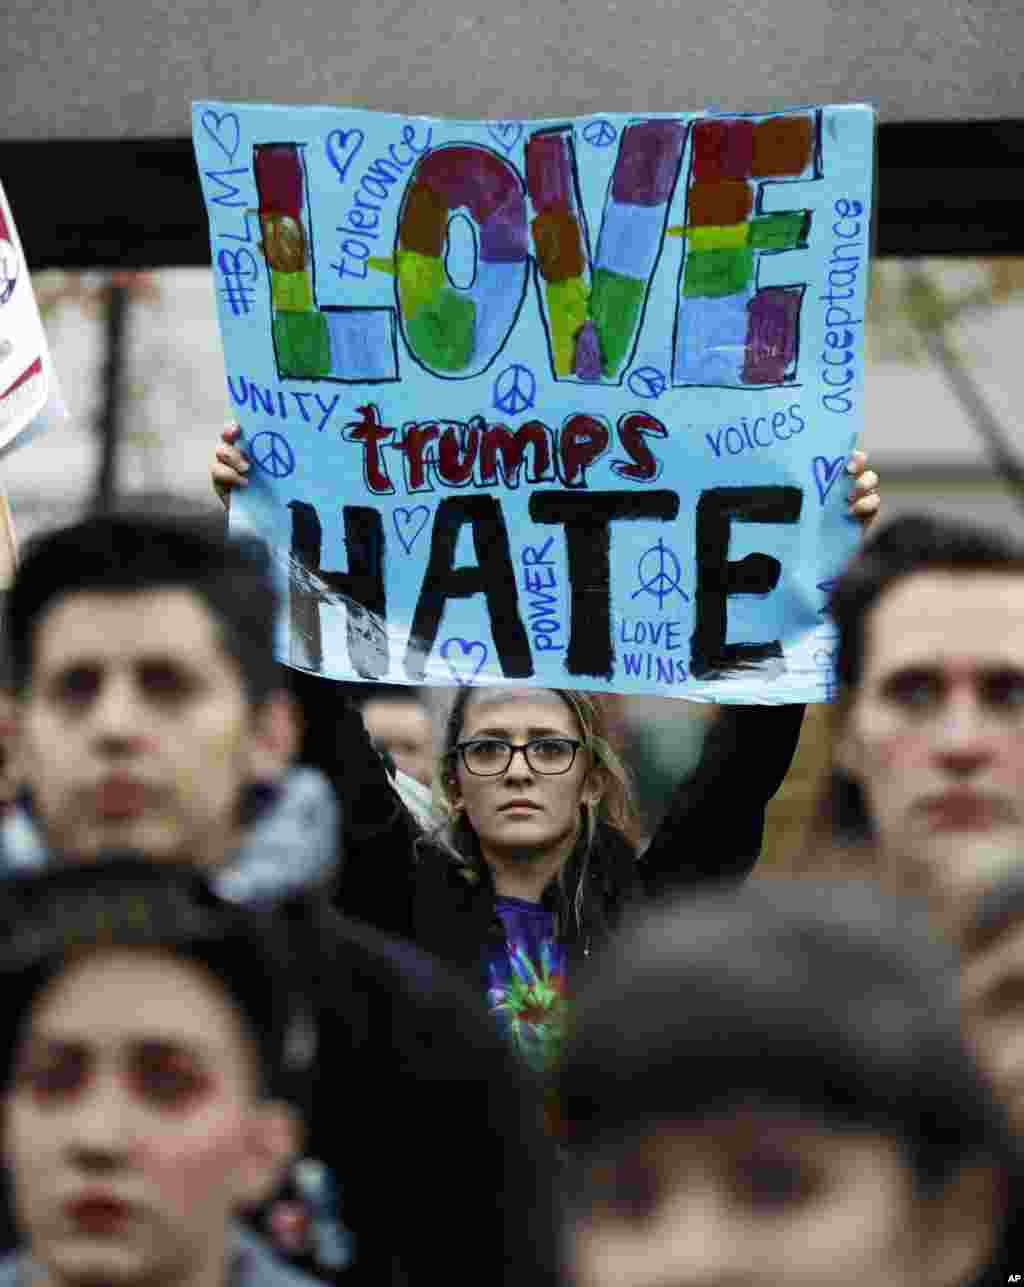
x: 561, y: 402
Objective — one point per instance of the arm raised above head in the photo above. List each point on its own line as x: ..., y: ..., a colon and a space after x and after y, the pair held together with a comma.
x: 378, y: 833
x: 714, y: 825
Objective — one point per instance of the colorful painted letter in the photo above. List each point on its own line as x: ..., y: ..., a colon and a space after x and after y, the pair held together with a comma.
x: 346, y: 343
x: 731, y: 332
x: 451, y: 331
x: 594, y: 312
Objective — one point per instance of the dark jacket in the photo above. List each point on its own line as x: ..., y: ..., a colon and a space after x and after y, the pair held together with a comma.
x: 422, y: 1115
x: 395, y: 880
x: 416, y: 1107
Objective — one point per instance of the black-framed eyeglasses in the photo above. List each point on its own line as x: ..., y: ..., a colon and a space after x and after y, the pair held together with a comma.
x: 486, y: 757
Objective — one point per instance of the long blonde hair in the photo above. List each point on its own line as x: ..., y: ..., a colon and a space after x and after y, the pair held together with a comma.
x: 614, y: 808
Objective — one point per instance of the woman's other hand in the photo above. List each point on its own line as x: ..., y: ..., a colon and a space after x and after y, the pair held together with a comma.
x: 230, y: 465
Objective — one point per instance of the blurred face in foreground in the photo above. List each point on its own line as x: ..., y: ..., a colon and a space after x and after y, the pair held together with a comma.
x: 135, y: 730
x: 769, y: 1203
x: 133, y: 1129
x: 934, y: 732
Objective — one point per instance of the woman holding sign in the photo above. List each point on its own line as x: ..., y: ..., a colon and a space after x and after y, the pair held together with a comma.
x: 534, y: 863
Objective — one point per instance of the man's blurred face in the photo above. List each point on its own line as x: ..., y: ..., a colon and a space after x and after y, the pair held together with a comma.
x: 403, y: 730
x: 132, y: 1127
x: 135, y: 730
x: 935, y: 730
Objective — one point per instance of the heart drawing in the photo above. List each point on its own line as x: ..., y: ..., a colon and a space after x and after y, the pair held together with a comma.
x: 409, y: 523
x: 462, y: 668
x: 826, y: 472
x: 342, y: 149
x: 224, y: 130
x: 506, y: 134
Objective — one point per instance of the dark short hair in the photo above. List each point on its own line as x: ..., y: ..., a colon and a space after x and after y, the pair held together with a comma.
x: 52, y: 918
x: 902, y: 548
x: 131, y: 553
x: 827, y: 999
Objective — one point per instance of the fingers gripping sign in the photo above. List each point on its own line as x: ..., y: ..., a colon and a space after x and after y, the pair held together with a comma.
x: 230, y: 465
x: 864, y: 499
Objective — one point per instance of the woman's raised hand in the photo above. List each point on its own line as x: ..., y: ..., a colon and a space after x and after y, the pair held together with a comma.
x: 864, y: 500
x: 230, y: 465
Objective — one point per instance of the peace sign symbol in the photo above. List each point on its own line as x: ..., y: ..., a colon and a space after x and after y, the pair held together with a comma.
x: 661, y: 583
x: 647, y: 382
x: 271, y: 452
x: 600, y: 133
x: 515, y: 390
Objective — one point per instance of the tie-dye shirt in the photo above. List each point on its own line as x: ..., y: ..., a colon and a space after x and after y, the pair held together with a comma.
x: 526, y: 981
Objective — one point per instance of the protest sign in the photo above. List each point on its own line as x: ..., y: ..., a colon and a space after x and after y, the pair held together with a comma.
x: 27, y: 379
x: 561, y: 402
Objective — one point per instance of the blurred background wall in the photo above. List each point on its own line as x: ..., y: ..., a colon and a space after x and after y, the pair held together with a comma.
x: 101, y: 69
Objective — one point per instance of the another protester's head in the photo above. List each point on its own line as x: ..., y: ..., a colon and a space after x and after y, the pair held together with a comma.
x: 146, y: 691
x: 771, y: 1087
x: 399, y: 725
x: 544, y: 799
x: 930, y: 724
x: 148, y: 1042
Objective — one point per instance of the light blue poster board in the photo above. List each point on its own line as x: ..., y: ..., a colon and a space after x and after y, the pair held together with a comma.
x: 561, y: 402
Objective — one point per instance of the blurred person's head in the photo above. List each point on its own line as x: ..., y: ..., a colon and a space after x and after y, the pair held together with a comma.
x: 771, y: 1087
x: 145, y: 1044
x: 399, y: 724
x: 146, y: 694
x: 929, y: 745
